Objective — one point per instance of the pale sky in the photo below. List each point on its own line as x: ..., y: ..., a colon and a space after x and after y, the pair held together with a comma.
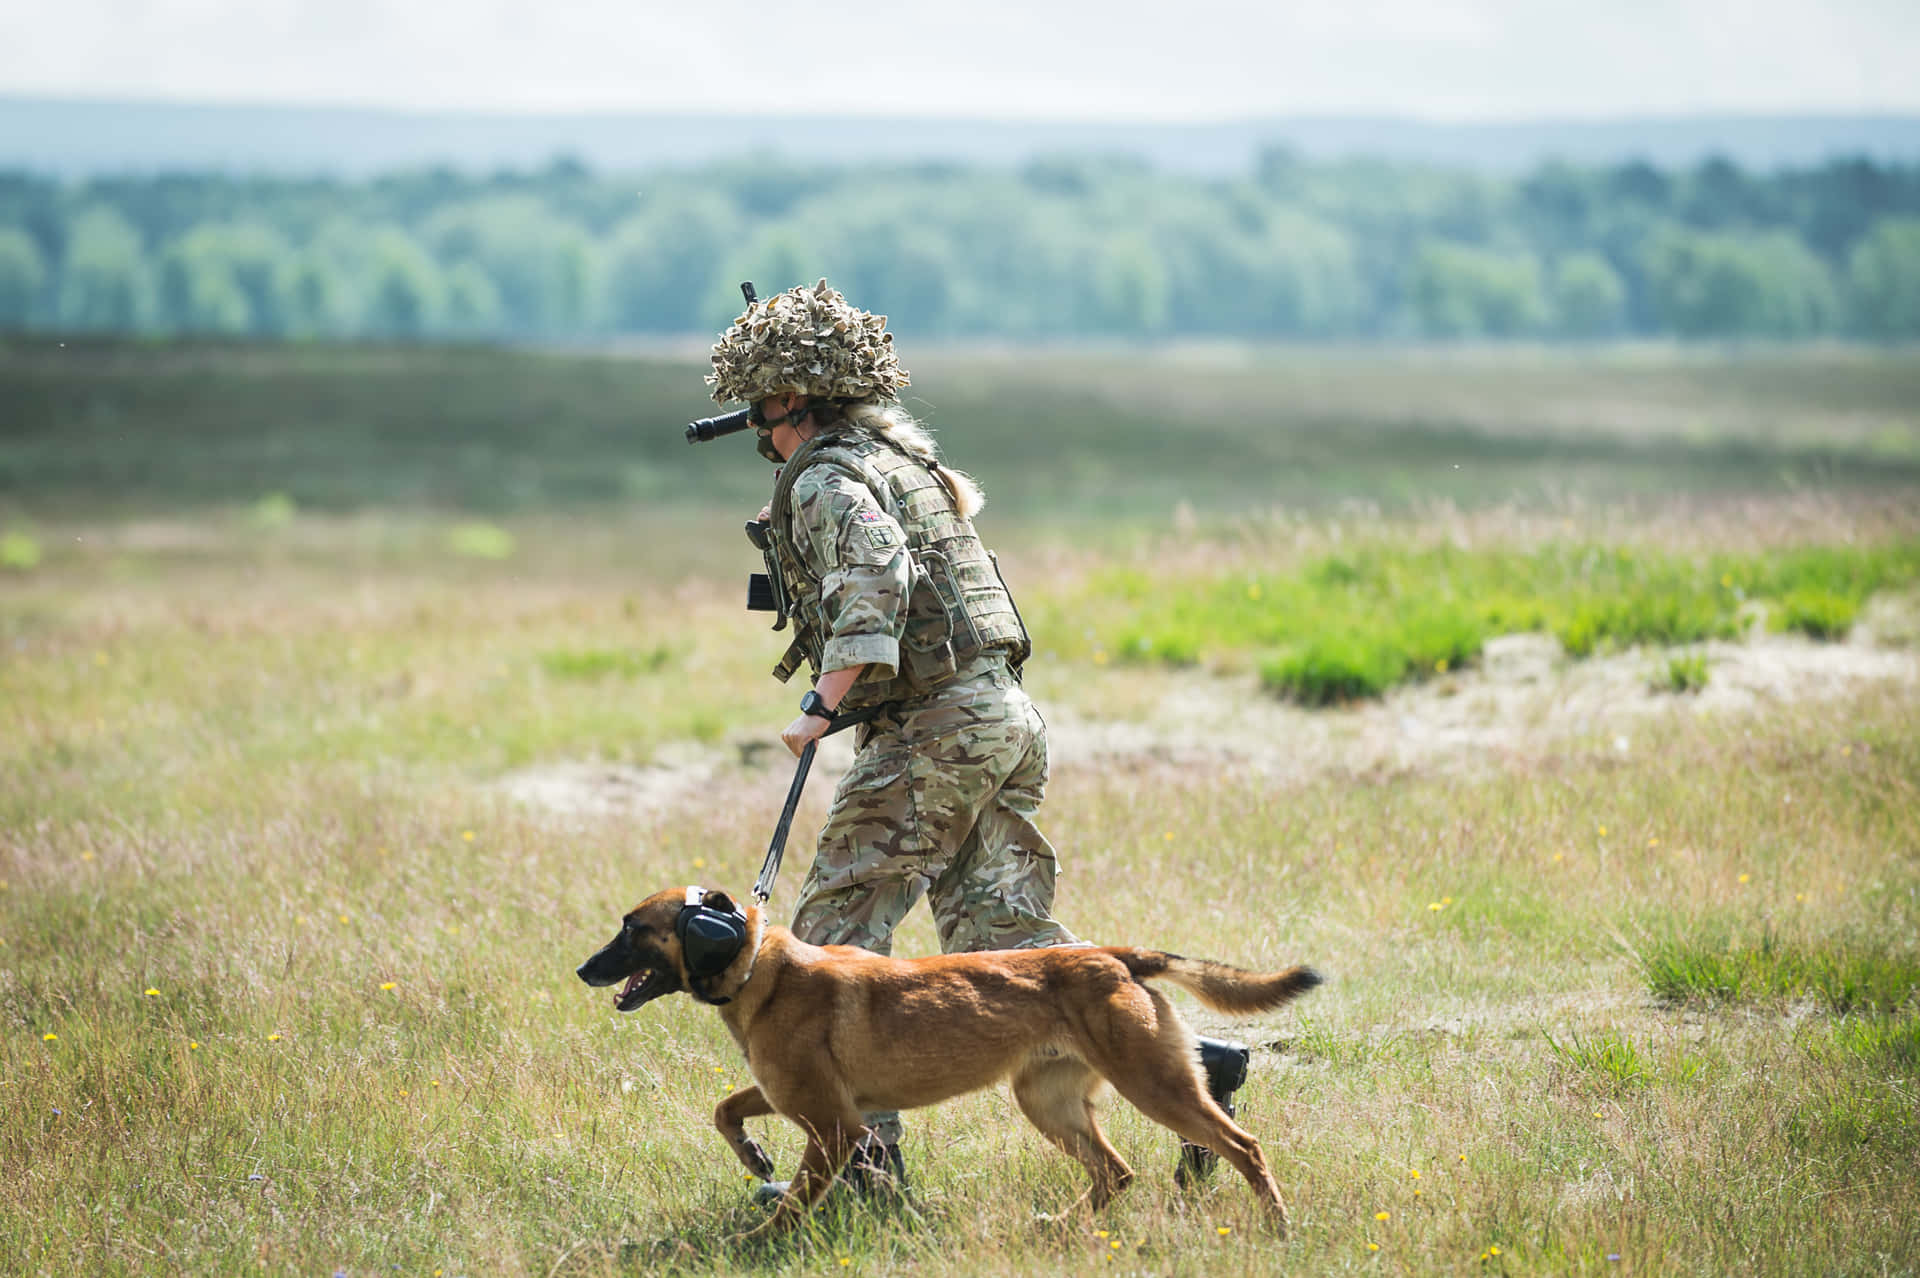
x: 1068, y: 60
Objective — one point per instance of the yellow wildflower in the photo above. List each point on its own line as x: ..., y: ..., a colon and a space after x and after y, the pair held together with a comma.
x: 152, y: 993
x: 387, y: 985
x: 49, y: 1038
x: 467, y: 835
x: 1383, y: 1215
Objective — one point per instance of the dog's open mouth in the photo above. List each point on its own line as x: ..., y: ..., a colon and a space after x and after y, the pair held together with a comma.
x: 643, y: 987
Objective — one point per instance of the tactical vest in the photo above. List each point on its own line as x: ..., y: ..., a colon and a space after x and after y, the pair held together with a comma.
x: 957, y: 603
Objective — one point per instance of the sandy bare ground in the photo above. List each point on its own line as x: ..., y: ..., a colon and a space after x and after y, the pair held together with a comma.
x: 1524, y: 694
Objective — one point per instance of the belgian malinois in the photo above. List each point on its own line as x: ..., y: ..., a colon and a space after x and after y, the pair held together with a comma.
x: 831, y: 1032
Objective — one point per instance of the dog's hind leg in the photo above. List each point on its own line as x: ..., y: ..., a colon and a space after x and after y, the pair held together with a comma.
x: 1056, y: 1095
x: 831, y: 1137
x: 731, y: 1118
x: 1149, y: 1057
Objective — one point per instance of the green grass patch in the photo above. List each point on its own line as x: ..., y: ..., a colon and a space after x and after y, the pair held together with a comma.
x: 1358, y: 623
x: 1845, y: 976
x: 602, y: 663
x: 1816, y: 612
x: 1878, y: 1042
x: 1609, y: 1057
x: 1684, y: 672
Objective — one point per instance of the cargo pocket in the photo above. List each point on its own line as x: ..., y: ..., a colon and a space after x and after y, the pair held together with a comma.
x: 872, y: 818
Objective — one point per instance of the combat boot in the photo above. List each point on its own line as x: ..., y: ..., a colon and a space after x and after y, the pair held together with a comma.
x: 876, y: 1173
x: 1226, y: 1067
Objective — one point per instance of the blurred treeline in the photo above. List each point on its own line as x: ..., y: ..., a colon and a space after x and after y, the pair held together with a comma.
x: 1061, y: 248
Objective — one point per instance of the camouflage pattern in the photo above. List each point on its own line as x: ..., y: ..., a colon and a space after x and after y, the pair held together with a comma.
x: 940, y: 802
x: 883, y: 571
x: 807, y: 341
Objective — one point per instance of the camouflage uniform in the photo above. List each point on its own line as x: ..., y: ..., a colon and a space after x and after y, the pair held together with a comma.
x: 942, y: 795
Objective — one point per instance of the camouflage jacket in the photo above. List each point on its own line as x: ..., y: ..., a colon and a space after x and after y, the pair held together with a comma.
x: 882, y: 571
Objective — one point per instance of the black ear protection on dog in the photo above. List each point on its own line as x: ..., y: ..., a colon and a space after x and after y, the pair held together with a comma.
x: 712, y: 931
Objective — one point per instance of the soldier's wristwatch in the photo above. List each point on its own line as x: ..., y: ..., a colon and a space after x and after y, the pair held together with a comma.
x: 813, y: 704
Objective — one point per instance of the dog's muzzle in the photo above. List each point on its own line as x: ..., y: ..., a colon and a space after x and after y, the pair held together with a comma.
x: 642, y: 988
x: 643, y: 984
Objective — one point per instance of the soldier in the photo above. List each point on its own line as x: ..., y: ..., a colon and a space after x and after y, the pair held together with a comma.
x: 904, y: 621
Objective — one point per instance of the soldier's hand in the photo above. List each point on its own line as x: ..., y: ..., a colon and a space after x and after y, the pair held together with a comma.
x: 802, y: 730
x: 766, y: 513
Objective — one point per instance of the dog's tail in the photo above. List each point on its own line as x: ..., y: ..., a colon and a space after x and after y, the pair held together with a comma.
x: 1232, y: 990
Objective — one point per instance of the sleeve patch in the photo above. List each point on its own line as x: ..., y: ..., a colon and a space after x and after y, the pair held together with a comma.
x: 878, y: 529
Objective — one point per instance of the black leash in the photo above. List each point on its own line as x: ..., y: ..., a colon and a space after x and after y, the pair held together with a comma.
x: 770, y: 870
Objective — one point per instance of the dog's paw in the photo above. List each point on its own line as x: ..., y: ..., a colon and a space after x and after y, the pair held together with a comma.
x: 756, y: 1159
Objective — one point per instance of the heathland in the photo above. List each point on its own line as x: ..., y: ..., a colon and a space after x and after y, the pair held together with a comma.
x: 1559, y: 706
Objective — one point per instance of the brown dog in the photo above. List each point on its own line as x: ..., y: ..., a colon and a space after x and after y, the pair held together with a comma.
x: 831, y: 1032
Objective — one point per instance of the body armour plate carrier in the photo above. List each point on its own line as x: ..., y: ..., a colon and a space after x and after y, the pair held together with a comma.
x: 957, y: 603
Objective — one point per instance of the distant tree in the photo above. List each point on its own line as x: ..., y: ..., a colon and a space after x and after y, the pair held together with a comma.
x: 895, y: 260
x: 224, y: 278
x: 23, y: 278
x: 407, y: 295
x: 1130, y: 287
x: 1638, y: 182
x: 1739, y: 285
x: 1589, y: 297
x: 473, y: 302
x: 313, y: 296
x: 1842, y: 201
x: 1719, y: 194
x: 1557, y: 203
x: 1307, y: 274
x: 544, y: 267
x: 1279, y: 171
x: 661, y: 264
x: 105, y: 285
x: 774, y: 259
x: 1459, y: 291
x: 1884, y: 275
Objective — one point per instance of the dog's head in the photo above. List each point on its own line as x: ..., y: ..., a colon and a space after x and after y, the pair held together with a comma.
x: 673, y: 941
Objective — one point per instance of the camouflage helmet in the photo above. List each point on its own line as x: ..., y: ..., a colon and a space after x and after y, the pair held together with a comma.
x: 806, y: 341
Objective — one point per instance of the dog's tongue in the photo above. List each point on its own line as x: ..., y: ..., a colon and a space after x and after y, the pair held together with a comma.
x: 633, y: 983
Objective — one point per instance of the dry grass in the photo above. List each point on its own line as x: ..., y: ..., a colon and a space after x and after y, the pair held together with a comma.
x: 255, y: 778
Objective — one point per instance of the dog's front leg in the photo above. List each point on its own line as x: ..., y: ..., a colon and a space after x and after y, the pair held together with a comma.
x: 731, y: 1117
x: 830, y: 1142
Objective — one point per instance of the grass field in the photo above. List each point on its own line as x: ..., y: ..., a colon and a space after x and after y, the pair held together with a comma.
x: 286, y: 975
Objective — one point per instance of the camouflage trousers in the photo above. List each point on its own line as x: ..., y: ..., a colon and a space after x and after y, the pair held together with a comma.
x: 940, y: 802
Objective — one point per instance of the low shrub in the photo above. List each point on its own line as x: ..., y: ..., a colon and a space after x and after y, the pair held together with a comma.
x: 1817, y: 613
x: 1686, y: 672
